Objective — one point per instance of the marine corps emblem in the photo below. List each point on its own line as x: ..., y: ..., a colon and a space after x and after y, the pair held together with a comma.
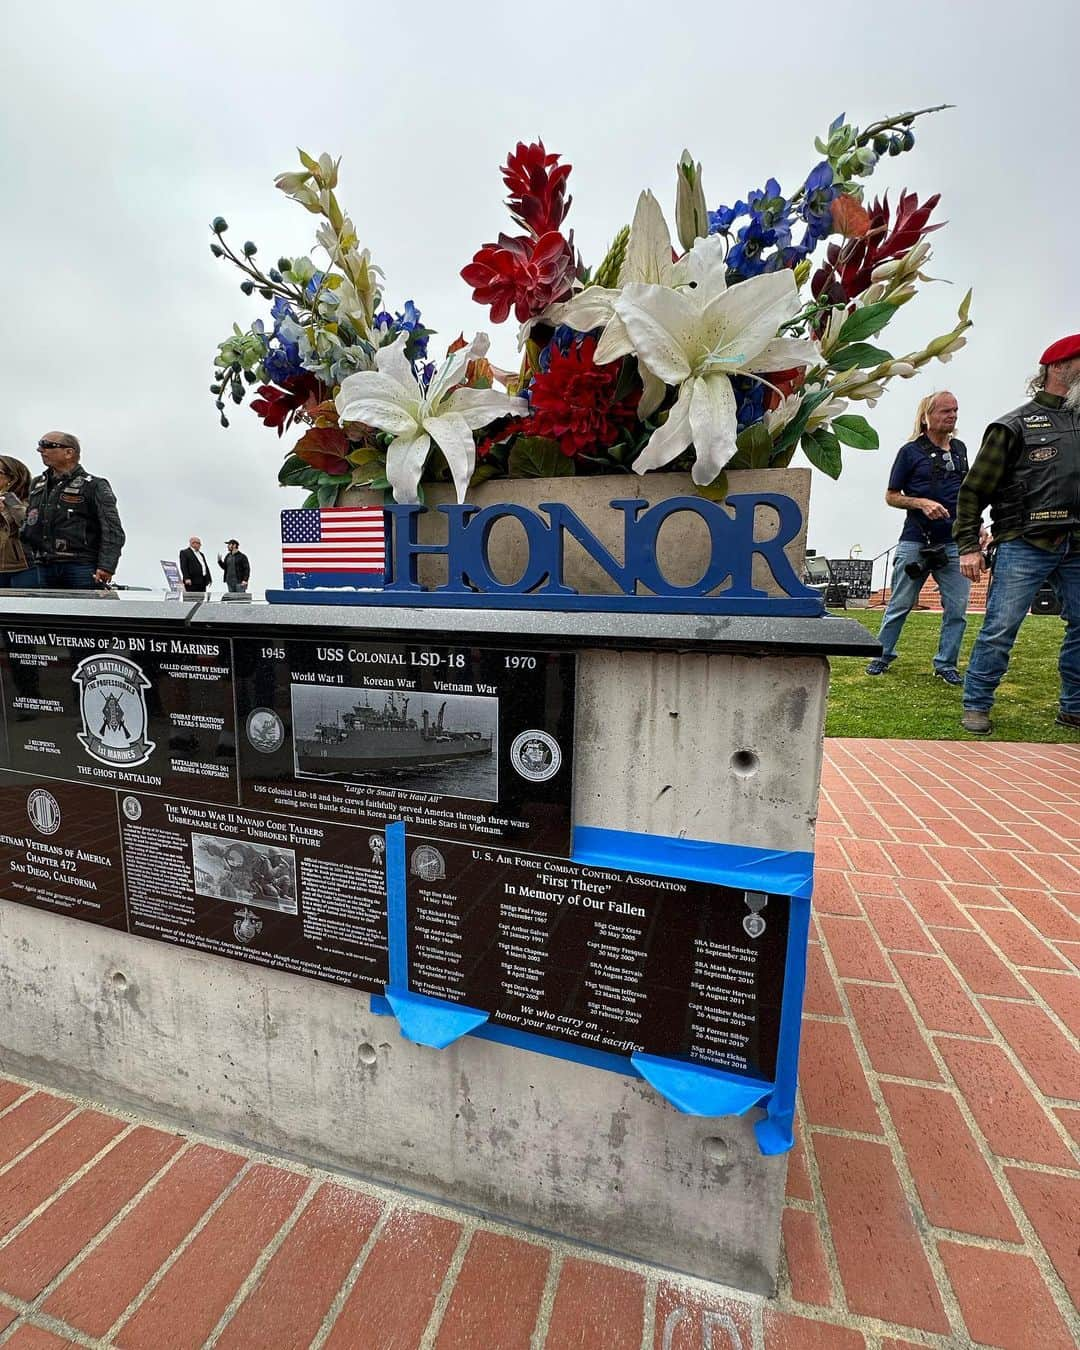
x: 112, y: 703
x: 754, y: 924
x: 427, y: 863
x: 535, y: 755
x: 246, y: 926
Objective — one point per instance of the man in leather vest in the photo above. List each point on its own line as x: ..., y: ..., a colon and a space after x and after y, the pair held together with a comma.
x: 1028, y: 472
x: 72, y: 525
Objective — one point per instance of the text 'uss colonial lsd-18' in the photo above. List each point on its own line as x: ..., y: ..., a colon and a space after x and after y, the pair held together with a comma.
x: 368, y: 738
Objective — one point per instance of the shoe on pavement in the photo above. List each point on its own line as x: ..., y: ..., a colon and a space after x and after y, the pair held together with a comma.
x: 1068, y: 719
x: 976, y: 720
x: 949, y: 676
x: 878, y: 666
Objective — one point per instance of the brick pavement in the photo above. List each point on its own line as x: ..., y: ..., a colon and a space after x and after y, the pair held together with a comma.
x: 933, y: 1197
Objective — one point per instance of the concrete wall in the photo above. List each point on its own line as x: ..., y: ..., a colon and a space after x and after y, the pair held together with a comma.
x: 714, y: 747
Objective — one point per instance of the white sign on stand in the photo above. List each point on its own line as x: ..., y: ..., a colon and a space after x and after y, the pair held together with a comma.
x: 173, y: 578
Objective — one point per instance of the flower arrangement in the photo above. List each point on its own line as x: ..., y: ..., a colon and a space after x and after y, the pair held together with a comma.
x: 751, y: 339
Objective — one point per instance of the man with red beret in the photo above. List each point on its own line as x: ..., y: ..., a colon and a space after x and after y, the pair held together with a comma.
x: 1028, y: 472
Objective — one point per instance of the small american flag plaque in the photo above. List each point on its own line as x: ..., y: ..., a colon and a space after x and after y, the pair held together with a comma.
x: 332, y: 547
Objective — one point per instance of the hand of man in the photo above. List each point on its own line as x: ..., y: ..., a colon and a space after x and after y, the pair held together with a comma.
x: 102, y: 576
x: 934, y: 510
x: 972, y: 565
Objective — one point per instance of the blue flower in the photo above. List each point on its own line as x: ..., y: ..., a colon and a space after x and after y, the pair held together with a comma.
x: 749, y: 400
x: 747, y: 256
x: 816, y: 206
x: 722, y: 219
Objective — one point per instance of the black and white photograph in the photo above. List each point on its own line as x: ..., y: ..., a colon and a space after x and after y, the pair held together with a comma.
x: 256, y: 874
x: 444, y: 744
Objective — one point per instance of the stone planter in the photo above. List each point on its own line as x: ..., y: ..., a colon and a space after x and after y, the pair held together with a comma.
x: 682, y: 542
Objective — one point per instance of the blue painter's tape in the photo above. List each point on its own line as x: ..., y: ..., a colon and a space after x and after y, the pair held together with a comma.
x: 432, y: 1021
x: 776, y: 1133
x: 697, y: 1090
x: 785, y: 607
x: 691, y: 1088
x: 428, y: 1021
x: 754, y: 869
x: 397, y: 929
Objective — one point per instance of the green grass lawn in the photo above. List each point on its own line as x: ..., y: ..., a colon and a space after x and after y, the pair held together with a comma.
x: 909, y: 702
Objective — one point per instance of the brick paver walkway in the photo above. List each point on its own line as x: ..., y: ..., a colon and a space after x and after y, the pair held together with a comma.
x: 934, y: 1197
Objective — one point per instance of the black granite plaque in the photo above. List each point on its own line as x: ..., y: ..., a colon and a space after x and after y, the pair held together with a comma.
x: 60, y: 849
x: 295, y: 895
x: 149, y: 711
x: 615, y: 960
x: 464, y: 741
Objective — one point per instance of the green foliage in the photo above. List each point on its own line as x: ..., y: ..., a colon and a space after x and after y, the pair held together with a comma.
x: 539, y: 457
x: 753, y: 448
x: 860, y: 354
x: 854, y: 430
x: 909, y: 703
x: 822, y: 448
x: 865, y: 323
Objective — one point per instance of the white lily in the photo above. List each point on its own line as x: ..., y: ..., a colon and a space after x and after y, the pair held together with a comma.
x: 648, y: 260
x: 696, y: 339
x: 390, y: 399
x: 826, y: 410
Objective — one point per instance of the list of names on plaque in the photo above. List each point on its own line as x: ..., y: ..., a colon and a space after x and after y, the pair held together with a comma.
x: 619, y: 961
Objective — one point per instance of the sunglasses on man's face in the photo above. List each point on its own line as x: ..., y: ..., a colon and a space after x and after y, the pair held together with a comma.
x: 51, y: 445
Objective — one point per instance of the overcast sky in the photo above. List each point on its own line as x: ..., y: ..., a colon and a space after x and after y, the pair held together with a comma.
x: 126, y: 130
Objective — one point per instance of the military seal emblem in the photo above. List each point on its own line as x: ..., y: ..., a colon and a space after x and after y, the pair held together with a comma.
x: 112, y: 704
x: 427, y: 863
x: 535, y: 755
x: 265, y: 730
x: 44, y: 811
x: 246, y: 926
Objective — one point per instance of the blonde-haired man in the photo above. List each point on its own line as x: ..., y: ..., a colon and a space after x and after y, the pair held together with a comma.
x: 924, y: 482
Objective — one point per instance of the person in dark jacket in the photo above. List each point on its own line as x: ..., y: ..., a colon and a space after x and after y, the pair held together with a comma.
x: 72, y: 528
x: 15, y: 570
x: 1028, y: 472
x: 924, y: 483
x: 235, y: 566
x: 194, y: 568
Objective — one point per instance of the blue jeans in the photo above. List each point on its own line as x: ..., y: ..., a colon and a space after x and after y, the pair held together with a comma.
x: 68, y: 576
x: 29, y: 579
x: 954, y: 588
x: 1019, y: 570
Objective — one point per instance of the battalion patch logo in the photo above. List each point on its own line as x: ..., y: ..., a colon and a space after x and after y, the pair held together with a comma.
x: 44, y: 811
x: 112, y: 703
x: 1041, y: 453
x: 535, y: 755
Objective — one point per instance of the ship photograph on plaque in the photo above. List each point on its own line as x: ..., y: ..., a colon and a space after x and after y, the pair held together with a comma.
x: 445, y: 744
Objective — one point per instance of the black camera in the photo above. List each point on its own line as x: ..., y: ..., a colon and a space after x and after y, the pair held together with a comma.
x: 929, y: 558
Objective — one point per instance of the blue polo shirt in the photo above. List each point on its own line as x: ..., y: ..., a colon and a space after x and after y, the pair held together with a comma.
x: 921, y: 469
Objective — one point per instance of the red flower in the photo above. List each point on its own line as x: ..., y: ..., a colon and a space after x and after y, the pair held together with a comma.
x: 279, y: 406
x: 537, y: 186
x: 522, y: 274
x: 573, y: 401
x: 847, y: 270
